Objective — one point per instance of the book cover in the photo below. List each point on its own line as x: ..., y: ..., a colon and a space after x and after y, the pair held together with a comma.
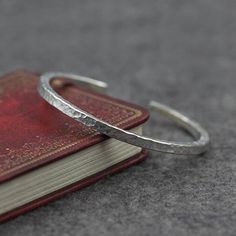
x: 33, y: 133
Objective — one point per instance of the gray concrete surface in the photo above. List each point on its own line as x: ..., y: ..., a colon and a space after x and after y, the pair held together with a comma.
x: 182, y: 53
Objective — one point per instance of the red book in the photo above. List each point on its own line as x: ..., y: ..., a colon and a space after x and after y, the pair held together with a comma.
x: 44, y: 154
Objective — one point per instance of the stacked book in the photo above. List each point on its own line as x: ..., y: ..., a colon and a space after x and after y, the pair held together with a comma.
x: 44, y: 154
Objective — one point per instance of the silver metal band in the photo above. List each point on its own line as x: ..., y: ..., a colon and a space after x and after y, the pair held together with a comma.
x: 196, y: 147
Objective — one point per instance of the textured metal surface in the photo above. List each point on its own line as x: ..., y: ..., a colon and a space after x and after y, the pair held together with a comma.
x: 196, y: 147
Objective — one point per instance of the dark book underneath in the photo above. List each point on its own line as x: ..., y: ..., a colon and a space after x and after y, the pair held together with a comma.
x: 44, y: 154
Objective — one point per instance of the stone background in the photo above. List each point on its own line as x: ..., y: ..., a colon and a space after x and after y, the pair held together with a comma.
x: 181, y: 53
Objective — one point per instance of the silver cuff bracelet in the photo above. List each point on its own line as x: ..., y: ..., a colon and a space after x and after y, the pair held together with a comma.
x: 194, y: 148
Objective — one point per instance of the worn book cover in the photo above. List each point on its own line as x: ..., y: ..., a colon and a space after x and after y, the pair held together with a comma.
x: 34, y: 134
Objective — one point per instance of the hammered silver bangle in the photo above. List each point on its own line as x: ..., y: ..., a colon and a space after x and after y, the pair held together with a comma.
x: 193, y: 148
